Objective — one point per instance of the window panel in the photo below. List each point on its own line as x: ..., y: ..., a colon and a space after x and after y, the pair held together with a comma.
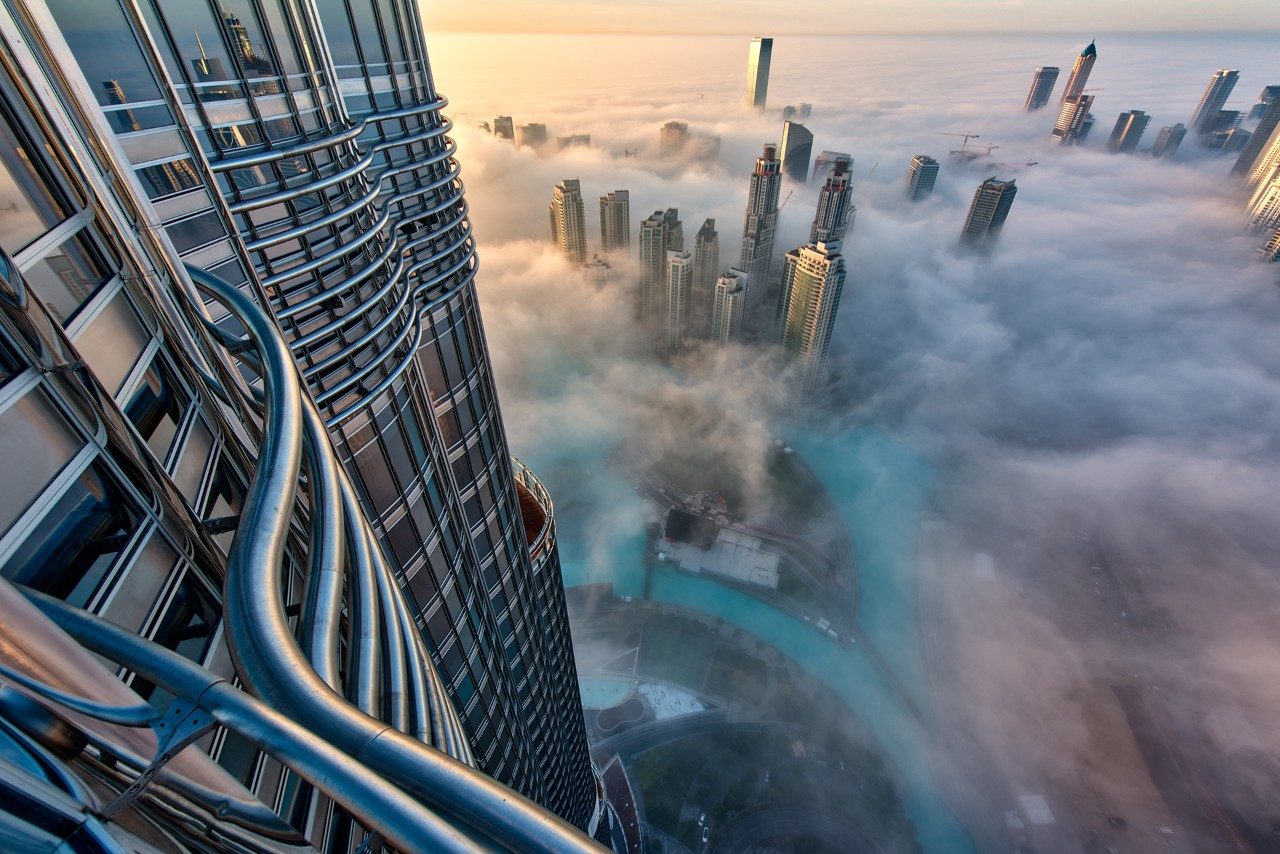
x: 74, y: 545
x: 37, y: 445
x: 67, y: 277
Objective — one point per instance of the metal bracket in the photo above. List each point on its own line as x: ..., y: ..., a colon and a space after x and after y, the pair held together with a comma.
x: 180, y: 725
x: 372, y: 843
x: 222, y: 524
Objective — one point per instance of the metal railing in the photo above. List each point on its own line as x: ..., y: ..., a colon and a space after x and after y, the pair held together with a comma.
x: 544, y: 540
x: 388, y: 666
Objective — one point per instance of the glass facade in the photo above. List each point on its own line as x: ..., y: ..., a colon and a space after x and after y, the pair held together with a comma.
x: 294, y: 148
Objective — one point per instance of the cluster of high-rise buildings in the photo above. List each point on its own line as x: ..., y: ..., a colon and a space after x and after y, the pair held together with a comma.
x: 533, y: 135
x: 1215, y: 127
x: 684, y: 292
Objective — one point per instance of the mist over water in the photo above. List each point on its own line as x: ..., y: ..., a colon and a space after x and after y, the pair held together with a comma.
x: 1058, y: 461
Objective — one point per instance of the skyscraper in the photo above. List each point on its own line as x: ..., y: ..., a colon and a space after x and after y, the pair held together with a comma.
x: 812, y: 282
x: 1085, y: 127
x: 679, y: 299
x: 1264, y: 207
x: 1073, y: 120
x: 1168, y: 140
x: 672, y: 139
x: 598, y: 270
x: 373, y: 291
x: 1263, y: 136
x: 728, y: 306
x: 1270, y: 250
x: 988, y: 211
x: 532, y: 135
x: 573, y: 140
x: 758, y: 58
x: 797, y: 112
x: 706, y: 263
x: 1229, y: 140
x: 615, y: 221
x: 825, y: 162
x: 568, y: 221
x: 1266, y: 98
x: 1080, y: 73
x: 1127, y: 132
x: 168, y: 514
x: 760, y: 224
x: 1268, y: 165
x: 504, y: 128
x: 1214, y: 98
x: 659, y: 234
x: 797, y: 146
x: 921, y: 176
x: 835, y: 208
x: 1042, y: 82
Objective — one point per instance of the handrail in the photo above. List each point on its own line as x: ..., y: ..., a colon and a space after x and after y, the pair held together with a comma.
x: 405, y: 823
x: 270, y: 662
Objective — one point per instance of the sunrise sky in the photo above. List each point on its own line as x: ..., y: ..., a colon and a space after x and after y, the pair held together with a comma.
x: 848, y: 16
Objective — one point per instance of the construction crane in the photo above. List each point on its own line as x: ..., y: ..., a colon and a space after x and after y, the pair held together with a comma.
x: 1028, y: 164
x: 790, y: 193
x: 964, y: 145
x: 868, y: 175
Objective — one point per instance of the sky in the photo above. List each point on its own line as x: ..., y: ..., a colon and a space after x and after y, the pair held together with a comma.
x: 766, y: 17
x: 1099, y: 393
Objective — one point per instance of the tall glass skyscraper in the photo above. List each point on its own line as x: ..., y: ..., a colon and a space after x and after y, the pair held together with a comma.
x: 1216, y: 91
x: 759, y: 57
x: 812, y: 281
x: 795, y: 150
x: 1042, y: 83
x: 1080, y: 72
x: 987, y: 213
x: 760, y: 224
x: 294, y: 149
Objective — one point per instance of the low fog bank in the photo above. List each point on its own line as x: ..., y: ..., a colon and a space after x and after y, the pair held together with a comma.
x: 1099, y: 395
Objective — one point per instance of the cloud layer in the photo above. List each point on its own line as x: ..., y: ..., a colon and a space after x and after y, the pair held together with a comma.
x: 1100, y: 394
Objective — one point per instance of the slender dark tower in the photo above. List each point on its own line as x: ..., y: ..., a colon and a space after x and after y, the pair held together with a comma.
x: 1127, y: 132
x: 835, y: 211
x: 1168, y: 140
x: 1042, y: 82
x: 760, y: 225
x: 1206, y: 117
x: 795, y: 151
x: 988, y: 212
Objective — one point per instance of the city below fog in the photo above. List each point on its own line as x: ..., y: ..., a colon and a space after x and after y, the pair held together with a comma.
x: 1003, y: 578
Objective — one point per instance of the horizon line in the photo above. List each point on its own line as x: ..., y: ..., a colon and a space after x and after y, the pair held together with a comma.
x: 752, y: 33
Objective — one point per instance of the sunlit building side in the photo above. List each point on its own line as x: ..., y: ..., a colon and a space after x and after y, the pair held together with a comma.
x: 759, y: 56
x: 812, y: 282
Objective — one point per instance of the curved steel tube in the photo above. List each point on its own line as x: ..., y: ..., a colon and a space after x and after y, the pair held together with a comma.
x: 377, y: 804
x: 271, y: 664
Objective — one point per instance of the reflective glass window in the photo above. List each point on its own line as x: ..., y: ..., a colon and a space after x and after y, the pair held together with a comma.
x: 195, y: 231
x: 156, y: 408
x: 68, y: 276
x: 29, y: 206
x: 78, y: 540
x: 37, y: 444
x: 103, y: 42
x: 113, y: 342
x: 167, y: 179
